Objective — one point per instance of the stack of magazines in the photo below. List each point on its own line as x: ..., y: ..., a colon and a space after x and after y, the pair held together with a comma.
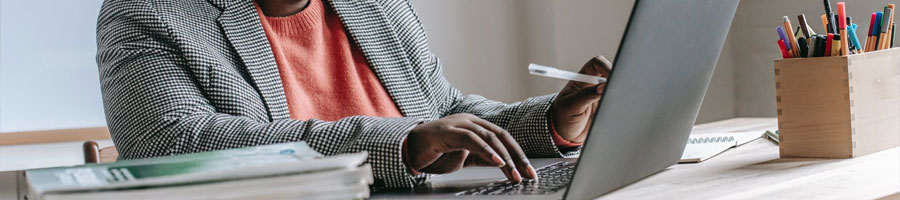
x: 279, y: 171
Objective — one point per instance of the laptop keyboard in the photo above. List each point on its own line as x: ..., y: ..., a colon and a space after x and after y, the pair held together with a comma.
x: 551, y: 178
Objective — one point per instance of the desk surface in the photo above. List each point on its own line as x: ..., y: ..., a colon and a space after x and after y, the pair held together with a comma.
x: 751, y: 171
x: 754, y: 171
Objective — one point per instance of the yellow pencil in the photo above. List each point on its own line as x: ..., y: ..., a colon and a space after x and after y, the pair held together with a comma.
x: 788, y: 29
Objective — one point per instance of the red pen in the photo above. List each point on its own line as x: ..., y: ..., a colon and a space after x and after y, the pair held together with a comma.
x: 784, y: 52
x: 828, y: 44
x: 869, y: 39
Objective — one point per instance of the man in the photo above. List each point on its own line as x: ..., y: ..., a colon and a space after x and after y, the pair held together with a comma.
x: 182, y: 76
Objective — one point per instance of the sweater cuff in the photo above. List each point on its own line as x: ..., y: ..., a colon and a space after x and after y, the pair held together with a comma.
x: 559, y: 140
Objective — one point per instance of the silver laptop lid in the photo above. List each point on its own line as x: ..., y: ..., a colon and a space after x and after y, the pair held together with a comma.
x: 661, y: 72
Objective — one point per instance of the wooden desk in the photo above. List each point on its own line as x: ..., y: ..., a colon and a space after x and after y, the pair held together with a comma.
x: 754, y: 171
x: 751, y: 171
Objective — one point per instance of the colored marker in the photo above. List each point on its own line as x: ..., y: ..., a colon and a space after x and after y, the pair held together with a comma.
x: 876, y: 33
x: 893, y: 33
x: 829, y: 43
x: 811, y: 52
x: 804, y: 27
x: 842, y: 26
x: 783, y: 36
x: 784, y: 51
x: 854, y: 40
x: 885, y: 24
x: 836, y: 46
x: 791, y: 39
x: 821, y: 42
x: 890, y: 31
x: 804, y: 47
x: 869, y: 39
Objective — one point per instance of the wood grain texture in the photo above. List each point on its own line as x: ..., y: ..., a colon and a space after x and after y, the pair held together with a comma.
x: 51, y: 136
x: 875, y: 100
x: 755, y: 171
x: 838, y: 107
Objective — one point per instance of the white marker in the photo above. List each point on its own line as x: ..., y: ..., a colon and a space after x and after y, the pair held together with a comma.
x: 562, y: 74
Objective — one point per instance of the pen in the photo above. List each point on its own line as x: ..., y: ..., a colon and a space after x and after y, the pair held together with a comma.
x: 891, y: 29
x: 836, y: 46
x: 853, y: 38
x: 825, y: 23
x: 829, y: 43
x: 887, y: 26
x: 813, y: 44
x: 830, y: 17
x: 562, y: 74
x: 804, y: 47
x: 820, y: 46
x: 869, y: 39
x: 876, y: 33
x: 783, y: 36
x: 804, y: 27
x: 885, y: 23
x: 893, y: 33
x: 842, y: 25
x: 791, y: 39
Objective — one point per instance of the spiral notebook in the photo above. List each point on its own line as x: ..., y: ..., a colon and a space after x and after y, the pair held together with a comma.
x: 701, y: 147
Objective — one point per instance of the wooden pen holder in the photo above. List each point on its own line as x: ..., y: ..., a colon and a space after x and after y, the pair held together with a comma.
x: 838, y: 107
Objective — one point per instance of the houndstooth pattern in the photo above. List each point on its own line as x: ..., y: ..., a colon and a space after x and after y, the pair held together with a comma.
x: 182, y: 76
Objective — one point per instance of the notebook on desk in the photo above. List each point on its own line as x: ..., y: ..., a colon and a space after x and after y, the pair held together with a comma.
x: 701, y: 147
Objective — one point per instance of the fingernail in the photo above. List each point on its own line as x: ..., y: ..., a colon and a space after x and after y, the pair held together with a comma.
x: 532, y: 172
x: 499, y: 160
x: 516, y: 175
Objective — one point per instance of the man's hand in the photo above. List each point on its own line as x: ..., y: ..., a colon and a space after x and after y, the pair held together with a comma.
x: 456, y: 141
x: 574, y: 108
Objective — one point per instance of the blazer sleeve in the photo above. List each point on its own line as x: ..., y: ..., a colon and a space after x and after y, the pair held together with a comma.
x: 527, y: 121
x: 154, y: 106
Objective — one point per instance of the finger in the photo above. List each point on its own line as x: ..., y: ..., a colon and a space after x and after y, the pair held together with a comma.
x: 448, y: 162
x: 597, y: 66
x: 581, y: 99
x: 515, y: 151
x: 510, y: 168
x: 462, y: 139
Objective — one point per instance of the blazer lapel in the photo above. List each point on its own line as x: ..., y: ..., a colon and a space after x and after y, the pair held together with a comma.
x: 241, y: 25
x: 369, y: 28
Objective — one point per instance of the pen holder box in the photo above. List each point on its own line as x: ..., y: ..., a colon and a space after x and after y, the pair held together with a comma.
x: 838, y: 107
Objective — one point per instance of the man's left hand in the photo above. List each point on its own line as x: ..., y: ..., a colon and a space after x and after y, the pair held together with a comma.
x: 574, y: 108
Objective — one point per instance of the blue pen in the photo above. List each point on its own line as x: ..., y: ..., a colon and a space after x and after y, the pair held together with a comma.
x: 783, y: 37
x: 877, y: 30
x: 851, y: 32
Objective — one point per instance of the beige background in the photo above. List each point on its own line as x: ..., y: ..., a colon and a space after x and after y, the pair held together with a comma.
x: 50, y: 82
x: 487, y: 45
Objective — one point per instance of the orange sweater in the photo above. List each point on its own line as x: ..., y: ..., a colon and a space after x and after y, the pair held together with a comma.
x: 324, y: 74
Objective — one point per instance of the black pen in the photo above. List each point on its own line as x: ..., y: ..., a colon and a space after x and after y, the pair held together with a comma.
x: 830, y: 16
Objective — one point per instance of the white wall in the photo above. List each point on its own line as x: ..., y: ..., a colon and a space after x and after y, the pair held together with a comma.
x: 48, y: 75
x: 753, y: 38
x: 473, y: 39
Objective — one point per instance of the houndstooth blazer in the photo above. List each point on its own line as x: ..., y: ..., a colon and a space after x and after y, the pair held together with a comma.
x: 182, y: 76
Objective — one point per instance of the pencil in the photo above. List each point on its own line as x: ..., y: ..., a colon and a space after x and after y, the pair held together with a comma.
x: 795, y: 51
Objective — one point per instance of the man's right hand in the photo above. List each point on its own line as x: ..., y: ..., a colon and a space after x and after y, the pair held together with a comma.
x: 461, y: 140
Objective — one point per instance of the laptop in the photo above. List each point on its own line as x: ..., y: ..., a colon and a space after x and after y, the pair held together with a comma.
x: 661, y: 72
